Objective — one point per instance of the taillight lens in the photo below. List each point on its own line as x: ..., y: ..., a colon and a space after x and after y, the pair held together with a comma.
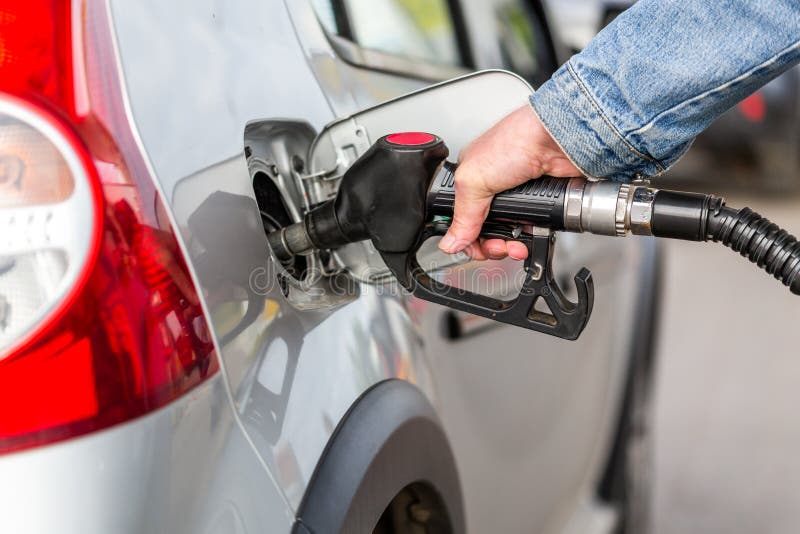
x: 99, y: 319
x: 48, y: 220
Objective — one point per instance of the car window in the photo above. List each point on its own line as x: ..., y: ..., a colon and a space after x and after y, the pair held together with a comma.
x: 326, y: 15
x: 418, y: 29
x: 524, y: 43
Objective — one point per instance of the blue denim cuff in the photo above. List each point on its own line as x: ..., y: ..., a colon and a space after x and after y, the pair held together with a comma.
x: 571, y: 114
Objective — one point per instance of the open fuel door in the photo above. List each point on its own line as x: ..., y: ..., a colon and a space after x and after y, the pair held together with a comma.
x: 457, y: 110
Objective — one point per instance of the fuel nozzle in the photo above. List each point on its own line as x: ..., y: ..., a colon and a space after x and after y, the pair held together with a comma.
x: 402, y: 192
x: 403, y: 180
x: 381, y: 198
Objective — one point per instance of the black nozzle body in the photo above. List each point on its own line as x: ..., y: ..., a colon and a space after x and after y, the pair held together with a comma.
x: 538, y: 202
x: 381, y: 198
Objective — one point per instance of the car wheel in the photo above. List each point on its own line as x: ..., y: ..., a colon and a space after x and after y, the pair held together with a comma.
x: 417, y: 509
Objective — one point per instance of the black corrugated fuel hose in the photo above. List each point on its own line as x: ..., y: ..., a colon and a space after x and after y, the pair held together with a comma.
x: 698, y: 217
x: 758, y: 239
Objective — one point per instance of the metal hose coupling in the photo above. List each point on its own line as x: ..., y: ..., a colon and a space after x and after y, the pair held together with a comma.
x: 607, y: 208
x: 611, y: 208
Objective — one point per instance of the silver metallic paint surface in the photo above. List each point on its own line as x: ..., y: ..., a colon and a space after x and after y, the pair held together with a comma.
x: 192, y: 93
x: 529, y: 428
x: 182, y: 469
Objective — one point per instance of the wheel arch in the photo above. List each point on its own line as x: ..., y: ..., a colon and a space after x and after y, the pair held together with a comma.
x: 389, y: 439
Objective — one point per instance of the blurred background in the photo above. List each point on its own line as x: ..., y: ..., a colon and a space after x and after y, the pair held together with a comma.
x: 727, y: 434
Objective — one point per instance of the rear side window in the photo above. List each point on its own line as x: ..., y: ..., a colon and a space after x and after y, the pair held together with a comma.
x: 423, y: 30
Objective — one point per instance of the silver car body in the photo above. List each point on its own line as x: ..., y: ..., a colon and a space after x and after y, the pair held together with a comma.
x: 529, y: 418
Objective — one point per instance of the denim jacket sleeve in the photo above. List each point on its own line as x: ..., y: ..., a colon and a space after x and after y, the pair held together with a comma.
x: 634, y: 100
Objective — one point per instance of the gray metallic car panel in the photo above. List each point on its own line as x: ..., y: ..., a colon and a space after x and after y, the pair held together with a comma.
x: 197, y: 72
x: 136, y: 477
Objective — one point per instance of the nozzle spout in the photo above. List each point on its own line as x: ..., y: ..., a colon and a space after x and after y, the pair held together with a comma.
x: 290, y: 241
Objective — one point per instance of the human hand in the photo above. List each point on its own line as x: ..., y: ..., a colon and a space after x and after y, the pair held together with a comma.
x: 510, y: 153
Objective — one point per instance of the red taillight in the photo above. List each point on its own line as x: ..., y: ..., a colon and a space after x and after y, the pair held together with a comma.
x: 35, y: 49
x: 116, y: 329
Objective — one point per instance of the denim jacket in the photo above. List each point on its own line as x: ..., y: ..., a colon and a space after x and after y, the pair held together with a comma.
x: 634, y: 100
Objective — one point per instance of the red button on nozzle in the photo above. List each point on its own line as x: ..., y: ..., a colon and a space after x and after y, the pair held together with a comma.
x: 410, y: 138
